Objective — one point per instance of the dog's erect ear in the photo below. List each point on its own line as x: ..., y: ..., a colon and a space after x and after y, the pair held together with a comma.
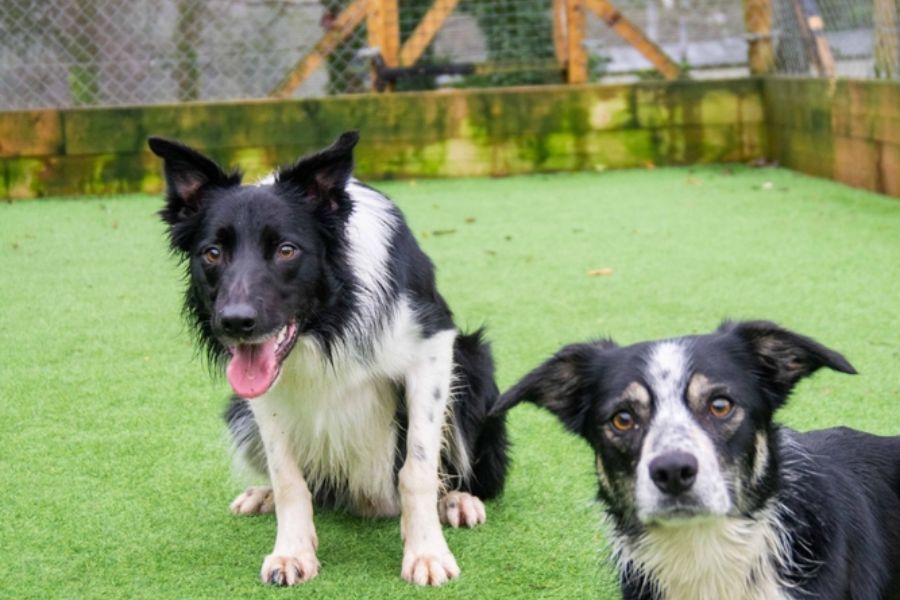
x: 189, y: 176
x: 783, y: 357
x: 323, y: 176
x: 562, y: 384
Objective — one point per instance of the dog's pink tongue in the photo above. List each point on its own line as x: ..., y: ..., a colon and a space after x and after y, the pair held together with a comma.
x: 252, y: 369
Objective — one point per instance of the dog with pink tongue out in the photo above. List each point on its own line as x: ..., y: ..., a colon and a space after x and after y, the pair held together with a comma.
x: 353, y: 387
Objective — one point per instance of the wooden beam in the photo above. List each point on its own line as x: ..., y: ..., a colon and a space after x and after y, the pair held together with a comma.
x: 632, y: 34
x: 383, y: 29
x: 340, y: 30
x: 758, y: 23
x: 559, y: 32
x: 887, y: 39
x: 426, y: 30
x: 812, y: 29
x: 383, y: 25
x: 576, y: 64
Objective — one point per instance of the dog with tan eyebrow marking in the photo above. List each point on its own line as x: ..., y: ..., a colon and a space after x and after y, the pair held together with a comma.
x: 707, y: 497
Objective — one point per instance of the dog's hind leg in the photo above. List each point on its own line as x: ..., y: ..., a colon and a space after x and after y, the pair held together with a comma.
x: 475, y: 424
x: 255, y: 500
x: 249, y: 455
x: 475, y: 460
x: 461, y: 508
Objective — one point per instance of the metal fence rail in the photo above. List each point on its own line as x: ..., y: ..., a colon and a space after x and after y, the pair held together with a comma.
x: 63, y: 53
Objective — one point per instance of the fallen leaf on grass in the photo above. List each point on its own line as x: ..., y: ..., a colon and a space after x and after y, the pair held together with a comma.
x: 604, y: 272
x: 443, y: 231
x: 470, y: 219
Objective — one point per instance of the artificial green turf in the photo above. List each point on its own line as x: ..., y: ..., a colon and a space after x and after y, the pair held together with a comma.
x: 113, y: 460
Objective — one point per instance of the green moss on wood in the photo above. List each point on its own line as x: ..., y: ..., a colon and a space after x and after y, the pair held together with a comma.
x: 30, y: 133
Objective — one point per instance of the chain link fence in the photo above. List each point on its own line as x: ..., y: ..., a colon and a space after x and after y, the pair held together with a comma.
x: 64, y: 53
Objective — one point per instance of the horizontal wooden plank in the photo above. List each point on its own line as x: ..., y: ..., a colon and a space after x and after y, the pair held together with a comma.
x: 807, y: 151
x: 30, y: 133
x: 415, y: 116
x: 474, y: 132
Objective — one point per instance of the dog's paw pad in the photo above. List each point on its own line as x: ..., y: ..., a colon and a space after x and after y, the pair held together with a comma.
x: 461, y: 509
x: 428, y: 569
x: 289, y: 570
x: 254, y: 501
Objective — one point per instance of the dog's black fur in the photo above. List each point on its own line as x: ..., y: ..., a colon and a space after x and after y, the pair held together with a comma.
x: 315, y: 261
x: 831, y: 498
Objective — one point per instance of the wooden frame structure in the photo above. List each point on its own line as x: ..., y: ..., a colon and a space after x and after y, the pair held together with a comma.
x: 382, y: 19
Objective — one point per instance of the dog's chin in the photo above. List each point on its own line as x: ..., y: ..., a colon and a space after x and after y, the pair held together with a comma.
x: 678, y: 514
x: 255, y: 365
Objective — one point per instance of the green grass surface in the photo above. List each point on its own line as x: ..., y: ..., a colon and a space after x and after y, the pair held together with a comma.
x: 113, y: 460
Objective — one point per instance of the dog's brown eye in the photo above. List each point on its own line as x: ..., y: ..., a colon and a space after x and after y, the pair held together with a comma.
x: 212, y: 255
x: 720, y: 407
x: 623, y: 421
x: 286, y: 251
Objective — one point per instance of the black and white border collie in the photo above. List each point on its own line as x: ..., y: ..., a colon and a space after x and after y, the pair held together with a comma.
x: 353, y: 388
x: 707, y: 498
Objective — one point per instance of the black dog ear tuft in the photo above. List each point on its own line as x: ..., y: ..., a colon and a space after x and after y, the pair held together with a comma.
x: 189, y: 175
x: 323, y: 176
x: 561, y: 384
x: 783, y: 357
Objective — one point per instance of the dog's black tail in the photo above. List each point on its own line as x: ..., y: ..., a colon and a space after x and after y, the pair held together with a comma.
x: 484, y: 433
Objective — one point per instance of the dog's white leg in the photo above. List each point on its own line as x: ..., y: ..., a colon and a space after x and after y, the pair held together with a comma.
x: 426, y: 558
x: 293, y: 560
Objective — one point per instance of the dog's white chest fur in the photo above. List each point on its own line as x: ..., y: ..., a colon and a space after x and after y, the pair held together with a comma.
x: 342, y: 428
x: 340, y: 413
x: 720, y: 558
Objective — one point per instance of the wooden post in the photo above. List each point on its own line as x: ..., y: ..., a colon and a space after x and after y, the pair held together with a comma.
x: 887, y: 40
x: 426, y: 30
x: 758, y: 23
x: 383, y: 25
x: 383, y: 28
x: 632, y: 34
x: 576, y: 65
x: 340, y: 30
x: 559, y: 32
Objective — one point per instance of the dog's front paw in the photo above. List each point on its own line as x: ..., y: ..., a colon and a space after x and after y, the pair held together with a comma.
x: 429, y: 569
x: 254, y: 501
x: 461, y: 508
x: 289, y: 570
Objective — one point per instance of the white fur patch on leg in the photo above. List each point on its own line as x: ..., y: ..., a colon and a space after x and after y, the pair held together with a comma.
x: 427, y: 559
x: 293, y: 559
x: 255, y: 500
x: 461, y: 508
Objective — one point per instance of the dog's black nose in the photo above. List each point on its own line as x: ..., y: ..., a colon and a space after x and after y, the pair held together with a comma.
x: 674, y: 473
x: 238, y: 320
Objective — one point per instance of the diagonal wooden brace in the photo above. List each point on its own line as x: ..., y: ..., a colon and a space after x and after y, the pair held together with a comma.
x: 343, y: 26
x: 425, y: 31
x: 632, y: 34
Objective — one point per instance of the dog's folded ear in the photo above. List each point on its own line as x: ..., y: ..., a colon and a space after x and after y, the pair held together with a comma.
x: 322, y: 177
x: 563, y: 384
x: 782, y: 357
x: 189, y: 175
